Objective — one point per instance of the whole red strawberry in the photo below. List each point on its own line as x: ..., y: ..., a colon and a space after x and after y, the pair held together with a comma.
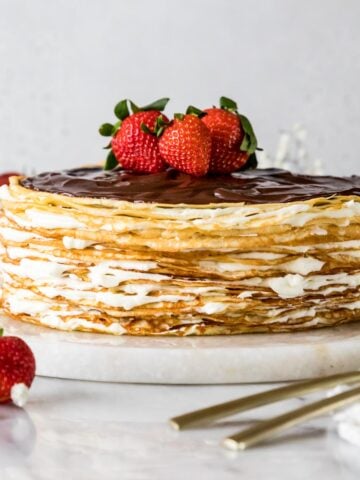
x: 17, y: 370
x: 232, y: 137
x: 186, y: 145
x: 135, y: 142
x: 137, y: 149
x: 4, y: 177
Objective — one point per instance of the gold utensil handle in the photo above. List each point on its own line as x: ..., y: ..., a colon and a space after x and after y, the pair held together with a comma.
x: 267, y: 429
x: 210, y: 414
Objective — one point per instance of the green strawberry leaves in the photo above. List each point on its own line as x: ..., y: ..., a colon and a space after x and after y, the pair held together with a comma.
x: 157, y: 105
x: 1, y: 332
x: 121, y: 109
x: 106, y: 129
x: 249, y: 143
x: 191, y: 110
x: 228, y: 104
x: 110, y: 162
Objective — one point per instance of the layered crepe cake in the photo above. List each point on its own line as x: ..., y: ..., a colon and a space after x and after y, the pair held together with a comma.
x: 167, y: 253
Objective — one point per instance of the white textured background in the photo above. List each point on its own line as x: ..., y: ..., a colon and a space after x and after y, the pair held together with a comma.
x: 65, y: 63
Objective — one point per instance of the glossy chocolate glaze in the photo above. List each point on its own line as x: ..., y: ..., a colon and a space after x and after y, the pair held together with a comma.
x: 173, y: 187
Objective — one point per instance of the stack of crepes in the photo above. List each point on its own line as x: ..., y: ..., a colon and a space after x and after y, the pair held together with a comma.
x: 123, y: 253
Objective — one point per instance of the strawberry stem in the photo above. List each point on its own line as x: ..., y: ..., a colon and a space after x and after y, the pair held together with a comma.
x: 1, y: 332
x: 146, y: 129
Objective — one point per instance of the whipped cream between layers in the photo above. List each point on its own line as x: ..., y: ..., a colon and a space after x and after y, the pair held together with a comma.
x: 288, y: 264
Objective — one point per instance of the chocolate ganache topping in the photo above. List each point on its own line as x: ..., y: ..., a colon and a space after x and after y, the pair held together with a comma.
x: 173, y: 187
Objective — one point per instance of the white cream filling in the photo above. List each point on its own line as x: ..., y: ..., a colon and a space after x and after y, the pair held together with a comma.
x: 294, y: 315
x: 142, y: 289
x: 16, y: 253
x: 127, y: 302
x: 13, y: 235
x: 246, y: 294
x: 54, y: 321
x: 38, y: 219
x: 100, y: 271
x: 25, y: 302
x: 291, y: 286
x: 302, y: 266
x: 349, y: 210
x: 5, y: 193
x: 20, y: 303
x: 103, y: 275
x: 76, y: 243
x: 142, y: 265
x: 212, y: 307
x: 319, y: 231
x: 36, y: 269
x: 295, y: 214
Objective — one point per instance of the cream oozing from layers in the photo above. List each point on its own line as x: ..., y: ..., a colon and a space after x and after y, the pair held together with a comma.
x: 34, y: 218
x: 107, y: 275
x: 294, y: 214
x: 17, y: 253
x: 55, y: 321
x: 302, y: 266
x: 76, y: 243
x: 17, y: 236
x: 210, y: 308
x: 117, y: 300
x: 24, y: 302
x: 59, y: 275
x: 290, y: 286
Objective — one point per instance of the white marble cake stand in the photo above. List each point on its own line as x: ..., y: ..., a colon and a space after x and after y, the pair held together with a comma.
x: 191, y: 360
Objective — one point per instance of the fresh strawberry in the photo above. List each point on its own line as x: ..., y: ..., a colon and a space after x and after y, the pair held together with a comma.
x: 226, y: 136
x: 17, y: 370
x: 137, y: 149
x: 186, y: 145
x: 4, y: 178
x: 233, y: 139
x: 136, y: 136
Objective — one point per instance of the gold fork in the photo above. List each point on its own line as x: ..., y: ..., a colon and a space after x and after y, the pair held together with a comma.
x: 266, y: 429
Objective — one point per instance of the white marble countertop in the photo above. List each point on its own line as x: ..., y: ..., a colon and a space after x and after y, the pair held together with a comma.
x: 83, y: 430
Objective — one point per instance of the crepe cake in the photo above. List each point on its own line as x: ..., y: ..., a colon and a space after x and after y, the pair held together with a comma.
x: 172, y: 254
